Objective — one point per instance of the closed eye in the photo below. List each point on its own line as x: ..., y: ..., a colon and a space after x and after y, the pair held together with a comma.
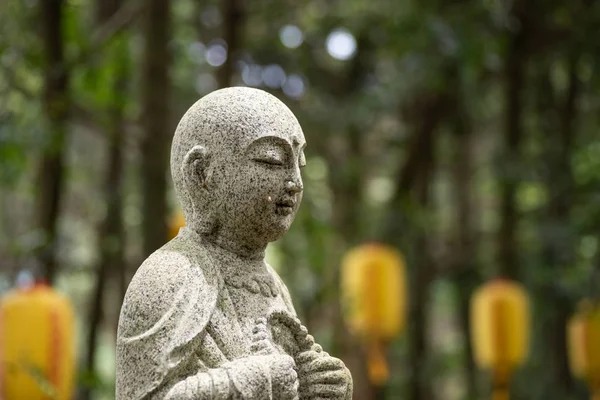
x: 268, y: 161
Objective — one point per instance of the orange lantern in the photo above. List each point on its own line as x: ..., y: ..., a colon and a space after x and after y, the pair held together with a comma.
x: 583, y: 335
x: 37, y: 349
x: 374, y: 299
x: 175, y: 224
x: 500, y: 324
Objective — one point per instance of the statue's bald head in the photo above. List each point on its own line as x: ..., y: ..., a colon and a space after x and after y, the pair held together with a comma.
x: 214, y: 131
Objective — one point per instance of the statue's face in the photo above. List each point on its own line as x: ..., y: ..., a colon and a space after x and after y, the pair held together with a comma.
x: 262, y: 186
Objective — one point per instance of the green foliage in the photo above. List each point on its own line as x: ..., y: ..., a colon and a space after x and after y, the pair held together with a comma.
x: 439, y: 68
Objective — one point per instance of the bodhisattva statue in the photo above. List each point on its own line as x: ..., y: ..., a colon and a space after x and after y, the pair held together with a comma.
x: 204, y: 316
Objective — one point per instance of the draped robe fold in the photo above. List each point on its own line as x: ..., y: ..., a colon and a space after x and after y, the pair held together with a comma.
x: 176, y: 322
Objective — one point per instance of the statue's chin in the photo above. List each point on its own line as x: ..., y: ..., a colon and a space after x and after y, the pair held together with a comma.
x: 278, y: 229
x: 275, y: 234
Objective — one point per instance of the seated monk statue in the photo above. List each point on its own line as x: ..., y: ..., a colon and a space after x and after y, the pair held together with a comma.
x: 205, y: 317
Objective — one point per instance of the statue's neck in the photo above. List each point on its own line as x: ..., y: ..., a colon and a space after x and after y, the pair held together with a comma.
x: 228, y: 250
x: 240, y: 250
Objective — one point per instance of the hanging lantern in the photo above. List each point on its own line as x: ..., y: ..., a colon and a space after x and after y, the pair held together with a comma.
x: 37, y: 346
x: 175, y: 224
x: 373, y: 298
x: 583, y: 335
x: 500, y: 330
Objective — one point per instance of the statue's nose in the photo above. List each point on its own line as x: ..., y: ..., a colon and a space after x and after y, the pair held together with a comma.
x: 293, y: 187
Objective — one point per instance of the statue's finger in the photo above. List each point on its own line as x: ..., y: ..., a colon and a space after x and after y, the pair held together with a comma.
x: 306, y: 357
x: 327, y: 377
x: 325, y: 364
x: 327, y: 390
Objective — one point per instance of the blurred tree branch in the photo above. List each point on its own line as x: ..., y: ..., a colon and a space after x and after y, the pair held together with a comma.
x: 101, y: 36
x: 94, y: 120
x: 233, y: 27
x: 119, y: 21
x: 156, y: 88
x: 55, y: 104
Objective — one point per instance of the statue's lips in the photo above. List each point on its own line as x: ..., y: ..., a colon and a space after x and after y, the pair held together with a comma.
x: 285, y: 207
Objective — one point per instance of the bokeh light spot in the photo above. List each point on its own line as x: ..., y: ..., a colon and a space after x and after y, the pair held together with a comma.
x: 341, y: 44
x: 216, y: 54
x: 291, y: 36
x: 273, y: 76
x: 252, y: 75
x: 294, y: 86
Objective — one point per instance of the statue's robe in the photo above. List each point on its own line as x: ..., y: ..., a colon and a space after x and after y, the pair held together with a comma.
x: 178, y: 332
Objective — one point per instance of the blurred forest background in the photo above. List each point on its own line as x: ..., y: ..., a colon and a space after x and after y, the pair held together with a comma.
x: 463, y: 132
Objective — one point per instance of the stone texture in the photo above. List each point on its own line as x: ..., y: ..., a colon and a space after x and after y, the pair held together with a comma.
x: 205, y: 317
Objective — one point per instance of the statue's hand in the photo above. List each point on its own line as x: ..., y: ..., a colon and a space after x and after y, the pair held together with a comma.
x: 322, y: 376
x: 284, y: 379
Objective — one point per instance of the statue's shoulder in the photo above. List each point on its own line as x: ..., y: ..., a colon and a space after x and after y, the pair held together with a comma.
x: 170, y: 275
x: 173, y: 262
x: 167, y: 306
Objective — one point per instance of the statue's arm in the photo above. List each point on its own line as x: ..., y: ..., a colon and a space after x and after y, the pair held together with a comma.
x: 264, y: 375
x: 213, y: 384
x: 258, y: 377
x: 245, y: 378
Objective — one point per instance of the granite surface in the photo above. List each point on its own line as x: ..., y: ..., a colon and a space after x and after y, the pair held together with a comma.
x: 205, y: 317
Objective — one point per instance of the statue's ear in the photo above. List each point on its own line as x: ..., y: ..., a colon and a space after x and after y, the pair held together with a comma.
x: 195, y: 166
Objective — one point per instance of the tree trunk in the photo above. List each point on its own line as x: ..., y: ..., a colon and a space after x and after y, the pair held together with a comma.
x: 513, y: 134
x: 425, y: 121
x: 558, y: 242
x: 156, y: 89
x: 232, y: 27
x: 422, y: 276
x: 110, y: 240
x: 415, y: 177
x: 56, y: 111
x: 464, y: 273
x: 111, y: 262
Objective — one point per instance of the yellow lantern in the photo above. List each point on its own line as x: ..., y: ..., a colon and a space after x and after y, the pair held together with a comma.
x: 500, y: 324
x: 373, y: 296
x: 583, y: 335
x: 177, y: 222
x: 37, y: 347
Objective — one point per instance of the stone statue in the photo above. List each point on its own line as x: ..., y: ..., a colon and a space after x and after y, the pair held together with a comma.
x: 204, y: 316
